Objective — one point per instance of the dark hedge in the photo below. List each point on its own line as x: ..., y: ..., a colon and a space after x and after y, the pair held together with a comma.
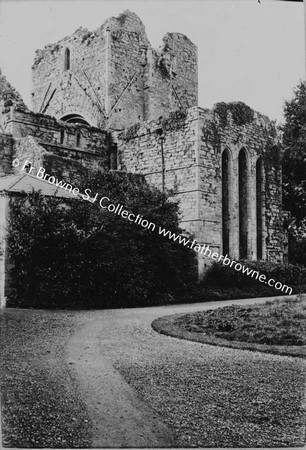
x: 228, y: 279
x: 78, y: 255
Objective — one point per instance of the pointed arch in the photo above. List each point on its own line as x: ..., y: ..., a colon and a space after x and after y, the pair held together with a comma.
x: 225, y: 202
x: 259, y: 208
x: 243, y: 203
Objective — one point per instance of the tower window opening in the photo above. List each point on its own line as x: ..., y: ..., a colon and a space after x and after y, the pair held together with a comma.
x: 62, y: 137
x: 67, y: 59
x: 113, y: 157
x: 78, y: 139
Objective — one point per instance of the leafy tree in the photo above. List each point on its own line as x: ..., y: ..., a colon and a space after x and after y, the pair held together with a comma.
x: 294, y: 160
x: 294, y: 173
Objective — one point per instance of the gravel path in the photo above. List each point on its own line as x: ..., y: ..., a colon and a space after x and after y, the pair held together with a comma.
x: 137, y: 388
x: 40, y: 404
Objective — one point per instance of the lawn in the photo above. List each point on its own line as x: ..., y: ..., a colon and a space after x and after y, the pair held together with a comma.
x: 277, y: 322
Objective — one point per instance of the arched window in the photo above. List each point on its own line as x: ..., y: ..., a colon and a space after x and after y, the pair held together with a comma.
x: 225, y: 203
x: 113, y: 157
x: 67, y: 59
x: 243, y: 204
x: 62, y: 137
x: 78, y: 139
x: 259, y: 169
x: 75, y: 118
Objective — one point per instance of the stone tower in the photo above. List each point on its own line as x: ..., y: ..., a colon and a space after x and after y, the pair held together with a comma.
x: 112, y: 78
x: 106, y: 99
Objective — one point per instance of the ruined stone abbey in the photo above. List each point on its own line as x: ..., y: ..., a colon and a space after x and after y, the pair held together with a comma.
x: 106, y: 99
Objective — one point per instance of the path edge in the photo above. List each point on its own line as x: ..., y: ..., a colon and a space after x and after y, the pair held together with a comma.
x: 165, y: 325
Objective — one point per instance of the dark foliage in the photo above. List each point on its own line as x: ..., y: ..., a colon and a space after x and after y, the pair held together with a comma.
x: 297, y: 248
x: 242, y: 114
x: 294, y: 160
x: 83, y: 256
x: 235, y: 284
x: 294, y: 173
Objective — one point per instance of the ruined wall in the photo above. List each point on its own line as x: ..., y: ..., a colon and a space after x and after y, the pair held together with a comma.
x: 81, y: 89
x: 115, y: 77
x: 4, y: 260
x: 9, y: 96
x: 234, y: 127
x: 70, y: 168
x: 146, y: 83
x: 192, y: 144
x: 173, y: 83
x: 67, y: 168
x: 6, y: 151
x: 75, y: 141
x: 143, y: 148
x: 128, y: 44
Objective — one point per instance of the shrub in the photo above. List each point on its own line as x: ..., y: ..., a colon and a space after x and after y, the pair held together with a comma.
x: 225, y: 277
x: 82, y: 256
x: 297, y: 250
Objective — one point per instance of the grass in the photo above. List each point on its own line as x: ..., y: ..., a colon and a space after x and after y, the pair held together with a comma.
x: 277, y: 326
x: 278, y: 322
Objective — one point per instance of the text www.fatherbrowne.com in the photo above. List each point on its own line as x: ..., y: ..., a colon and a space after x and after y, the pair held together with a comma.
x: 138, y: 219
x: 226, y: 261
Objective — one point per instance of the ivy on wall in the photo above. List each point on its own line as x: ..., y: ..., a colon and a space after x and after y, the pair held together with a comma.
x: 241, y: 113
x: 130, y: 133
x: 174, y: 121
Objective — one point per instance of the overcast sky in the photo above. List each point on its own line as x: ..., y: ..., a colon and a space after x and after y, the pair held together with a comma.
x: 248, y: 51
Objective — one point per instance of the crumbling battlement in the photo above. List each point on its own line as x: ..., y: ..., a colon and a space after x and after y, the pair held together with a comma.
x: 9, y: 96
x: 6, y: 151
x: 112, y: 77
x: 50, y: 131
x: 24, y: 129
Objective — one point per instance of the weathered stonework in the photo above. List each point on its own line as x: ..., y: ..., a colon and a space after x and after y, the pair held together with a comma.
x: 114, y: 102
x: 189, y: 146
x: 8, y: 97
x: 3, y: 249
x: 114, y: 77
x: 42, y: 139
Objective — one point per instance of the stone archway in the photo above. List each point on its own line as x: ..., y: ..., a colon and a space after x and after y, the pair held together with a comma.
x: 75, y: 118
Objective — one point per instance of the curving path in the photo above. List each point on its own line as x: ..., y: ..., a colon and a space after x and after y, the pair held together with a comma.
x: 143, y: 389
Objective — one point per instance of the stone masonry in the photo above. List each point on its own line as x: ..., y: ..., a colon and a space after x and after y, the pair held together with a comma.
x: 184, y: 152
x: 107, y: 100
x: 115, y: 78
